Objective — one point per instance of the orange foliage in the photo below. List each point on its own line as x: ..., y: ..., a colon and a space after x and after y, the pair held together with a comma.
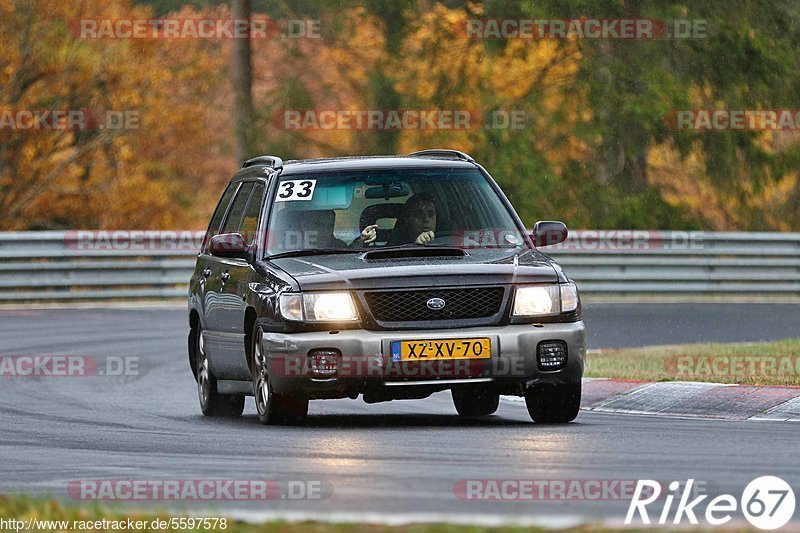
x: 169, y: 170
x: 147, y: 174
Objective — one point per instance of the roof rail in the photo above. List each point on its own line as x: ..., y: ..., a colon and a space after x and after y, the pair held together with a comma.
x: 271, y: 161
x: 443, y: 154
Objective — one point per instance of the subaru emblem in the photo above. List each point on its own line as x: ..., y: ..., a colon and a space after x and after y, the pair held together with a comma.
x: 435, y: 304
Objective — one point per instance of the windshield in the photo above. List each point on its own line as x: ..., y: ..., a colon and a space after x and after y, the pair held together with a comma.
x: 377, y: 209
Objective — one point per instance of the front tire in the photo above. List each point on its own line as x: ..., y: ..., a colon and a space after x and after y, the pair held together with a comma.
x: 273, y: 409
x: 472, y: 401
x: 553, y: 403
x: 211, y: 402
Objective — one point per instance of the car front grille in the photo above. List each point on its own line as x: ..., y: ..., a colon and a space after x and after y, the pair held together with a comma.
x: 412, y: 306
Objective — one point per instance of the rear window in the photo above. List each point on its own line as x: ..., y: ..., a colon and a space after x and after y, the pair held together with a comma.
x: 219, y: 213
x: 237, y: 209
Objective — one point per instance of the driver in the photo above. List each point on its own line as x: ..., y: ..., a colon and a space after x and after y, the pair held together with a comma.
x: 416, y: 224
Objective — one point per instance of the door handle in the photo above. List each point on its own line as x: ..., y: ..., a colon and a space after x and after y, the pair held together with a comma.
x: 206, y: 272
x: 225, y: 276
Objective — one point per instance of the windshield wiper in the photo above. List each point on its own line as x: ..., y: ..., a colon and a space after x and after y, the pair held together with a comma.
x: 313, y: 251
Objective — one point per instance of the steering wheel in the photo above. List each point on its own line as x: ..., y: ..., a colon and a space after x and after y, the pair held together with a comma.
x: 446, y: 238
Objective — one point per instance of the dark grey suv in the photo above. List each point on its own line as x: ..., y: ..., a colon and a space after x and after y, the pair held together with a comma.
x: 385, y: 277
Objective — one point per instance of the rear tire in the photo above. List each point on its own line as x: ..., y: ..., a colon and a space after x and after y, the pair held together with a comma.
x: 211, y: 402
x: 474, y: 401
x: 273, y: 409
x: 554, y: 403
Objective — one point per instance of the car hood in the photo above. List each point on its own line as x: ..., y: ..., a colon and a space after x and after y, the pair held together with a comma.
x: 480, y: 267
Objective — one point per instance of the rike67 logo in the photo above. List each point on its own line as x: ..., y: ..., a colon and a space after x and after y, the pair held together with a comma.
x: 767, y: 503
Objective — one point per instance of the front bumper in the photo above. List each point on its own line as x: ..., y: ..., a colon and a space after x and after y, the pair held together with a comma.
x: 365, y: 364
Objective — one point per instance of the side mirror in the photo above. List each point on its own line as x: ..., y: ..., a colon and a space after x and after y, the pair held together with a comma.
x: 548, y: 232
x: 231, y: 245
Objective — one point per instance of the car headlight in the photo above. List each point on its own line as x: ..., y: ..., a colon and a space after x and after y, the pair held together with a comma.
x: 318, y: 307
x: 569, y: 297
x: 543, y: 300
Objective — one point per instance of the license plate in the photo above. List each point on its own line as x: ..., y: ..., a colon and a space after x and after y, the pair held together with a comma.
x: 439, y: 349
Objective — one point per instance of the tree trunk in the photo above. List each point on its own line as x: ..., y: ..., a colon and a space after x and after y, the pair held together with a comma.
x: 242, y: 69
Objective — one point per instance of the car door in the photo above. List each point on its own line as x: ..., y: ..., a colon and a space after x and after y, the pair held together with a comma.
x: 217, y: 305
x: 206, y: 285
x: 235, y: 277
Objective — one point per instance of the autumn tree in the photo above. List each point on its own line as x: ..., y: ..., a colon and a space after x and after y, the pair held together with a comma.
x: 150, y: 172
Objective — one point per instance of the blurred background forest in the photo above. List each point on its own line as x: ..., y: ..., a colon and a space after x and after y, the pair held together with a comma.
x: 596, y: 150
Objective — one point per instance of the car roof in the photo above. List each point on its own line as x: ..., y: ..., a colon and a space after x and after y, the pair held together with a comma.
x: 304, y: 166
x: 350, y: 163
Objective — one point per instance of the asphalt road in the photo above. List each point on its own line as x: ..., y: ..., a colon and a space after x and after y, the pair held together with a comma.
x: 622, y: 325
x: 398, y: 459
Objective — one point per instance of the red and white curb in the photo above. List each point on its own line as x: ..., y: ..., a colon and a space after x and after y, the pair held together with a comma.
x: 687, y: 399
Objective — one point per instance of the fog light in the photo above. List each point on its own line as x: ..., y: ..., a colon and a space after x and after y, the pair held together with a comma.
x: 323, y: 364
x: 551, y: 355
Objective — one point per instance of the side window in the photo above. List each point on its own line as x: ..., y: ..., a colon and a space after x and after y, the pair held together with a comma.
x: 219, y: 213
x: 249, y: 225
x: 237, y: 209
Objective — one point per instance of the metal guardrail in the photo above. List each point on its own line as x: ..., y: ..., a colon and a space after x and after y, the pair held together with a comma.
x: 98, y: 265
x: 691, y: 263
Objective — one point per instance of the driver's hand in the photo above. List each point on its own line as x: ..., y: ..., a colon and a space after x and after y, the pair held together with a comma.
x: 369, y: 234
x: 425, y: 237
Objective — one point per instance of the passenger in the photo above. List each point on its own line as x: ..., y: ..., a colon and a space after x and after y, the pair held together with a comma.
x: 317, y: 229
x: 416, y: 224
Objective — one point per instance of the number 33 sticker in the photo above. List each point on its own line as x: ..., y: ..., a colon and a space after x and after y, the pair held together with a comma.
x: 295, y: 190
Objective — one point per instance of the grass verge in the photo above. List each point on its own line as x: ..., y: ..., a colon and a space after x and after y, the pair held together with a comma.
x: 761, y: 363
x: 69, y: 519
x: 26, y: 507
